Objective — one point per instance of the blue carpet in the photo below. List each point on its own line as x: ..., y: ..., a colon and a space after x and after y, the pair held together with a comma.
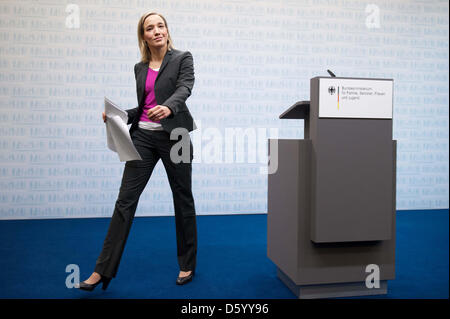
x: 232, y: 258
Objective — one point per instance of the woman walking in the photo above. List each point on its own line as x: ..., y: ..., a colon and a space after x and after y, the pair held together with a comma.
x: 164, y: 80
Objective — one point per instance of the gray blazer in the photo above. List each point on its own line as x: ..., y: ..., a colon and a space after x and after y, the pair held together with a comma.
x: 173, y: 86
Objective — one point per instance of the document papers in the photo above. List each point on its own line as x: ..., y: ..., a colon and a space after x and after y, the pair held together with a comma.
x: 118, y: 137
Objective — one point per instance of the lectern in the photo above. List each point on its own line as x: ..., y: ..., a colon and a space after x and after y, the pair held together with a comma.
x: 331, y: 202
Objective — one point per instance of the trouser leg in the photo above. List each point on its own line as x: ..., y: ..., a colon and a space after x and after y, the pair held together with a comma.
x: 180, y: 180
x: 135, y: 177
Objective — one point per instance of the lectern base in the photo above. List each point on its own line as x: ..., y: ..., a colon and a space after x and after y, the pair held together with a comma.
x: 349, y: 289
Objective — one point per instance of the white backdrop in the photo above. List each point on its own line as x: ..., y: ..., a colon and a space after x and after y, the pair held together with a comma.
x: 253, y: 59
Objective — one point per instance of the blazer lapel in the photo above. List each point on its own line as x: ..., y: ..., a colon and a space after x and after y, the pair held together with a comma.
x: 164, y: 63
x: 141, y: 78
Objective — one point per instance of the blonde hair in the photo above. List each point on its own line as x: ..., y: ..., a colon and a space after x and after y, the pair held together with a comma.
x: 143, y: 47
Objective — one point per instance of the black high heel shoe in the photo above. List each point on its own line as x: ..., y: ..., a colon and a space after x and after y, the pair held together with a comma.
x: 185, y: 279
x: 90, y: 287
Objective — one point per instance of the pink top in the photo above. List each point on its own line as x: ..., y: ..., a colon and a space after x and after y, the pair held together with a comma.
x: 150, y: 98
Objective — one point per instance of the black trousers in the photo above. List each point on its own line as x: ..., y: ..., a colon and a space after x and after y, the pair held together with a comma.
x: 151, y: 145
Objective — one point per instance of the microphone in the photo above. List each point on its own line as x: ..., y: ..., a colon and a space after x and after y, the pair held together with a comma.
x: 331, y: 73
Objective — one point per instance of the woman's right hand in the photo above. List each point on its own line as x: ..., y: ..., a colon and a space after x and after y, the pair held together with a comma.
x: 104, y: 117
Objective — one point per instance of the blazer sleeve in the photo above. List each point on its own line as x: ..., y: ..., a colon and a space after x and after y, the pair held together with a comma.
x: 185, y: 83
x: 133, y: 112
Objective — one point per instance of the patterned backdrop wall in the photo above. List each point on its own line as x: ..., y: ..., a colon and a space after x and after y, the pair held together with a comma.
x: 253, y: 59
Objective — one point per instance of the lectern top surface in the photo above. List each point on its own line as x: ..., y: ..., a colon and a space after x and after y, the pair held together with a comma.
x: 299, y: 110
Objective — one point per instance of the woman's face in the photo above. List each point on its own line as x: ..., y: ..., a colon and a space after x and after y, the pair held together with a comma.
x: 155, y: 31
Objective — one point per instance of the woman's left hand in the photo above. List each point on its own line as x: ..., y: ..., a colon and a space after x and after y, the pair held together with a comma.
x: 158, y: 113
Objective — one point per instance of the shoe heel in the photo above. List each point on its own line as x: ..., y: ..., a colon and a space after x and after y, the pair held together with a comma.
x: 106, y: 282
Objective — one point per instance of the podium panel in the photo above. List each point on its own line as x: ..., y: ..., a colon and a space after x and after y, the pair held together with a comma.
x: 353, y: 173
x: 352, y: 163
